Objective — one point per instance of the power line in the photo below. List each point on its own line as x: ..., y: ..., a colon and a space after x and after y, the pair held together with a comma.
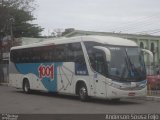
x: 129, y: 24
x: 141, y: 25
x: 155, y: 32
x: 148, y: 31
x: 141, y: 22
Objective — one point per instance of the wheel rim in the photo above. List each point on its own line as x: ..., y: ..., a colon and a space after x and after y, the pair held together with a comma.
x: 26, y: 87
x: 82, y: 93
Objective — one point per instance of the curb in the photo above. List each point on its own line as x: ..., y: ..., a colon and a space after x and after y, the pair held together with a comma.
x: 153, y: 98
x: 4, y: 84
x: 149, y: 98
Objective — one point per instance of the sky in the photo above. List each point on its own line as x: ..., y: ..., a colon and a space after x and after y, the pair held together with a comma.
x: 125, y: 16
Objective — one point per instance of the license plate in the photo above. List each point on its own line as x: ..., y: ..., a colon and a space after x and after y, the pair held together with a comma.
x: 131, y: 94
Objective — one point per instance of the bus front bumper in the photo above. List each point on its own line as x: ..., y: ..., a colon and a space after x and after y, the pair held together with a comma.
x: 113, y: 93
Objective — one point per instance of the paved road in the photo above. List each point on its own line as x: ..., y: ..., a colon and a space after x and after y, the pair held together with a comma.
x: 13, y: 100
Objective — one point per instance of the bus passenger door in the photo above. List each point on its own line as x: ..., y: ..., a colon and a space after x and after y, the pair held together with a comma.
x: 98, y: 64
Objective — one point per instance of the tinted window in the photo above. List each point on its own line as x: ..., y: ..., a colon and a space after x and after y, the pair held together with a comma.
x: 96, y: 57
x: 56, y: 53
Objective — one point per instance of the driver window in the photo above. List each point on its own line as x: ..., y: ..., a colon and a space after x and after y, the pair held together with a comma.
x: 98, y: 61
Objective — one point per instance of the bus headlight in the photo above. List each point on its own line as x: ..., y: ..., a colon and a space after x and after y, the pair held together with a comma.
x: 129, y: 86
x: 116, y: 85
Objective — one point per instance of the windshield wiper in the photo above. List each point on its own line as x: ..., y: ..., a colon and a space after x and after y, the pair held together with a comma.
x: 124, y: 69
x: 132, y: 67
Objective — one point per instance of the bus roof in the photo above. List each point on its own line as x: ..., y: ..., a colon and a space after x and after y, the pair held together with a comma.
x: 100, y: 39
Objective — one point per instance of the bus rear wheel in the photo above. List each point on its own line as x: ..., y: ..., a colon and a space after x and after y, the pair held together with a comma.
x: 83, y: 94
x: 26, y: 86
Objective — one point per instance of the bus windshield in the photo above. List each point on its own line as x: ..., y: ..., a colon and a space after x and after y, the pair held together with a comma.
x: 127, y: 64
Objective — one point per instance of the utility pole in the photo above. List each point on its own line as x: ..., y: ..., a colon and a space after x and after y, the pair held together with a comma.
x: 1, y: 52
x: 11, y: 29
x: 2, y: 1
x: 1, y: 38
x: 1, y: 57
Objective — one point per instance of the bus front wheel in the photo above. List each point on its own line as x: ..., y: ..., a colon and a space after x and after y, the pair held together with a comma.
x: 83, y: 94
x: 26, y: 86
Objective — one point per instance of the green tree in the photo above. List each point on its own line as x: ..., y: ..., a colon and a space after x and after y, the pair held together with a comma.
x: 18, y: 15
x: 67, y: 31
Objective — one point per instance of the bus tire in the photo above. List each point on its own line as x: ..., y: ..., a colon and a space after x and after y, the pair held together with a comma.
x: 83, y: 94
x: 26, y: 86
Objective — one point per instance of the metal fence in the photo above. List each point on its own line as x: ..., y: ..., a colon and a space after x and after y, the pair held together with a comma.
x: 153, y: 93
x: 154, y: 87
x: 4, y: 73
x: 153, y: 78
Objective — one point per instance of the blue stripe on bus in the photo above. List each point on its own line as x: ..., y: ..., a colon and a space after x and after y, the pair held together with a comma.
x: 49, y: 84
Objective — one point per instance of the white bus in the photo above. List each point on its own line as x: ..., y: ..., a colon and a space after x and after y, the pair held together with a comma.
x: 88, y: 66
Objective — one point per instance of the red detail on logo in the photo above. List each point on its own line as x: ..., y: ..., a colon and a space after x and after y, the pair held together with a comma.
x: 46, y: 71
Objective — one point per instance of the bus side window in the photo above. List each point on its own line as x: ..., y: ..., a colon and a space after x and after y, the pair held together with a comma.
x: 74, y: 52
x: 60, y: 53
x: 78, y: 59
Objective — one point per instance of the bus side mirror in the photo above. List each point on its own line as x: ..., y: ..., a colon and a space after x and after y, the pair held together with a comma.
x: 106, y: 51
x: 149, y: 53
